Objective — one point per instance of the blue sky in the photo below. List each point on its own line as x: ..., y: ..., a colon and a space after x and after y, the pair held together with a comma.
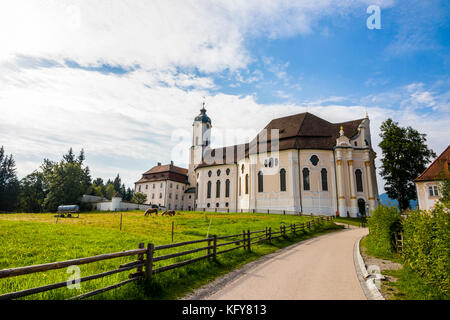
x: 124, y: 79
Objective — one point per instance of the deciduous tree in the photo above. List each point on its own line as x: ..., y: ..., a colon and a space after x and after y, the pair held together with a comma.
x: 404, y: 157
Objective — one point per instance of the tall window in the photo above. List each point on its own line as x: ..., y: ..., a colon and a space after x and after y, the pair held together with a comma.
x: 227, y: 188
x: 218, y: 189
x: 323, y: 173
x: 359, y: 184
x: 208, y: 195
x: 240, y: 185
x: 260, y: 182
x: 283, y: 180
x: 246, y: 184
x: 306, y: 179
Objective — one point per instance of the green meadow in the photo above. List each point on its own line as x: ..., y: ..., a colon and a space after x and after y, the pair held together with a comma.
x: 29, y: 239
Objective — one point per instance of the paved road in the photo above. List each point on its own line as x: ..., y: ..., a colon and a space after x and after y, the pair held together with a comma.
x: 320, y: 268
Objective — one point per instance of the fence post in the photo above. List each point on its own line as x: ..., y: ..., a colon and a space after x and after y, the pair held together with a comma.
x: 243, y: 238
x: 270, y: 234
x: 248, y: 240
x: 214, y: 247
x: 140, y: 258
x: 209, y: 245
x: 149, y: 262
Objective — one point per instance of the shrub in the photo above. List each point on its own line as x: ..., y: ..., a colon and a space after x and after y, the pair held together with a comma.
x: 427, y: 247
x: 383, y: 223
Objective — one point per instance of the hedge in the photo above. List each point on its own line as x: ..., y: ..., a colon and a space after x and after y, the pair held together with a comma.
x: 383, y: 223
x: 427, y: 247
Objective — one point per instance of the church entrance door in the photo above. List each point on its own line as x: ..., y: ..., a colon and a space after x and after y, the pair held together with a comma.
x: 362, y: 206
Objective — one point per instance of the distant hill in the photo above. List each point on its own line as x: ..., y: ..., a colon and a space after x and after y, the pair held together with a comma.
x: 384, y: 198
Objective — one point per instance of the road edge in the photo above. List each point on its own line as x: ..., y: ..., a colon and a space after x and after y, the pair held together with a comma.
x: 366, y: 280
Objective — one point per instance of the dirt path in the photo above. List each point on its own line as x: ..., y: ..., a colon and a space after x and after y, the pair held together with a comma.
x: 320, y: 268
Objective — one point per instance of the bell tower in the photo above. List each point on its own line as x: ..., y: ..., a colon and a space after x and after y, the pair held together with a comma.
x: 201, y: 139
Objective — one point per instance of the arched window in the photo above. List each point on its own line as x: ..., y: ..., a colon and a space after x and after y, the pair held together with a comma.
x: 228, y: 171
x: 270, y: 162
x: 260, y: 182
x: 218, y: 189
x: 209, y: 190
x: 209, y: 173
x: 227, y: 188
x: 246, y: 184
x: 306, y: 179
x: 282, y: 180
x: 359, y: 184
x: 323, y: 173
x: 218, y: 173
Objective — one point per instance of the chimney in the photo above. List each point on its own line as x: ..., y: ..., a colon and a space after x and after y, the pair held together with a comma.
x: 171, y: 163
x: 159, y: 164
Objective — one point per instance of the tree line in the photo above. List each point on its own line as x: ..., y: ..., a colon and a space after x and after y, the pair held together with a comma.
x: 54, y: 183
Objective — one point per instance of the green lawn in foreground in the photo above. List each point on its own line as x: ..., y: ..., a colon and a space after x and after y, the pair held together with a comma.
x: 28, y: 239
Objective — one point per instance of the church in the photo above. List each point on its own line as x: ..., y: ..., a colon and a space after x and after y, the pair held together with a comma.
x: 296, y: 164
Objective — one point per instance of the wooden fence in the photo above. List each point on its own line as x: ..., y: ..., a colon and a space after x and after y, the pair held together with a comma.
x: 146, y: 258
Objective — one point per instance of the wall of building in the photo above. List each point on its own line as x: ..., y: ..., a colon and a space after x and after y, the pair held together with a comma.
x: 425, y: 200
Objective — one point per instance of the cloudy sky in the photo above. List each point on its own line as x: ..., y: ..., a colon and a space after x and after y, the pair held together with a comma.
x: 124, y: 79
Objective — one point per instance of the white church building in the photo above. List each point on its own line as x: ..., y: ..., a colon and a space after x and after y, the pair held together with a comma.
x: 296, y: 164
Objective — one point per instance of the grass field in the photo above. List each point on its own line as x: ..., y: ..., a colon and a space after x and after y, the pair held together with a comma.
x: 28, y: 239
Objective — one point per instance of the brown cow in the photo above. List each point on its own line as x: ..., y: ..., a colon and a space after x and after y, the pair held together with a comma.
x: 150, y: 211
x: 169, y: 213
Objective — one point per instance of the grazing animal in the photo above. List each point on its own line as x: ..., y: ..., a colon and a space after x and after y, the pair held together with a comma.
x: 169, y: 213
x: 150, y: 211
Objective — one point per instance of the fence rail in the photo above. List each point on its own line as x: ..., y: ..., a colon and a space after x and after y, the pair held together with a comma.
x: 145, y: 258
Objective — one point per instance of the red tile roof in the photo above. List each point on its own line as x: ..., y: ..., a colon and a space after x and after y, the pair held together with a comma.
x: 439, y: 166
x: 164, y: 172
x: 299, y: 131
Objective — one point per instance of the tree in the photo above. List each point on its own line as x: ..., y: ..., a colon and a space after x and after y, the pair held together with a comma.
x: 129, y: 194
x: 9, y: 184
x: 32, y: 192
x: 404, y: 157
x: 117, y: 183
x: 139, y: 198
x: 110, y: 191
x: 66, y: 181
